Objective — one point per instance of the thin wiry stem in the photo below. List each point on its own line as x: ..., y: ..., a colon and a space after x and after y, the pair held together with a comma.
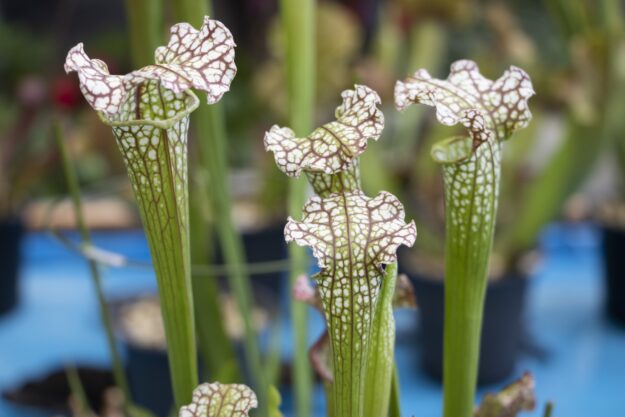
x: 395, y: 404
x: 298, y: 25
x: 145, y: 26
x: 119, y: 374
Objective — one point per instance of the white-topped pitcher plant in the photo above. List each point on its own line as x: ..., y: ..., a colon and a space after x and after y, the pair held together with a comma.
x: 491, y: 111
x: 148, y: 110
x: 354, y: 239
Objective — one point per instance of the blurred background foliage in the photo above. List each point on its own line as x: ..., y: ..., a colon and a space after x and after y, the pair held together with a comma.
x: 574, y: 51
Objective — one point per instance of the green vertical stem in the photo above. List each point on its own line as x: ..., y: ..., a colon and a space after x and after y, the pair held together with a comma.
x: 394, y: 409
x: 212, y: 141
x: 298, y: 22
x: 210, y: 119
x: 379, y: 373
x: 471, y: 180
x: 72, y: 184
x: 216, y: 349
x: 77, y: 390
x: 145, y: 26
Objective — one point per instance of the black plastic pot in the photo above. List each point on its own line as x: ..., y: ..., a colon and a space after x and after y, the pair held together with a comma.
x: 50, y: 393
x: 11, y: 233
x: 613, y: 245
x: 502, y: 328
x: 264, y: 245
x: 148, y: 378
x: 147, y: 367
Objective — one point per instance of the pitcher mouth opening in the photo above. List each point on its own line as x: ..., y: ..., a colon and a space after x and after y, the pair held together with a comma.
x: 153, y: 105
x: 452, y: 150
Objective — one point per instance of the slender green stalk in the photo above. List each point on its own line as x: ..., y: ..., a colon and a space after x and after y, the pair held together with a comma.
x: 213, y: 150
x: 210, y: 119
x: 548, y: 409
x: 395, y: 404
x: 77, y: 390
x: 119, y: 374
x: 379, y: 373
x: 471, y: 189
x: 145, y: 26
x: 215, y: 346
x: 298, y: 25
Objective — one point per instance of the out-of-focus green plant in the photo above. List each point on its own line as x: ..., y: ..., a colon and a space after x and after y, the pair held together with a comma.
x: 119, y: 373
x: 593, y: 37
x: 492, y: 112
x: 580, y: 81
x: 148, y: 110
x: 336, y: 46
x: 25, y: 152
x: 352, y: 236
x: 300, y: 59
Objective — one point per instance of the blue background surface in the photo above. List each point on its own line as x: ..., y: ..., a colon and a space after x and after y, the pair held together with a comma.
x: 584, y: 373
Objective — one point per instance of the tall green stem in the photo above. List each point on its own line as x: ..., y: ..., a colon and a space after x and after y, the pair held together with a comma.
x: 298, y: 22
x: 394, y: 409
x: 212, y: 141
x: 471, y: 178
x: 119, y: 374
x: 215, y: 346
x: 145, y: 23
x: 213, y: 150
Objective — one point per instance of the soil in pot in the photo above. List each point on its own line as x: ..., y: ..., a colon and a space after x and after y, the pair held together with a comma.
x: 52, y: 391
x: 502, y: 327
x: 143, y: 338
x: 613, y: 253
x: 11, y: 233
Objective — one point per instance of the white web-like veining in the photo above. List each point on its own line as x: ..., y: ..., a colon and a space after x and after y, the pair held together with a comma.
x: 501, y: 103
x: 201, y: 59
x: 334, y: 146
x: 351, y: 236
x: 220, y: 400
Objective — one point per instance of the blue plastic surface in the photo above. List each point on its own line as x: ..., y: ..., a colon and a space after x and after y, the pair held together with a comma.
x: 584, y: 372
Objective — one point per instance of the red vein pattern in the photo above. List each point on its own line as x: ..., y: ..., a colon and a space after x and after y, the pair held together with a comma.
x: 351, y: 236
x: 201, y: 59
x: 332, y: 147
x: 502, y: 104
x: 220, y: 400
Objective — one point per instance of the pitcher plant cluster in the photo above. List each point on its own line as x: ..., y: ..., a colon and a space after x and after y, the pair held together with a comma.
x: 354, y: 237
